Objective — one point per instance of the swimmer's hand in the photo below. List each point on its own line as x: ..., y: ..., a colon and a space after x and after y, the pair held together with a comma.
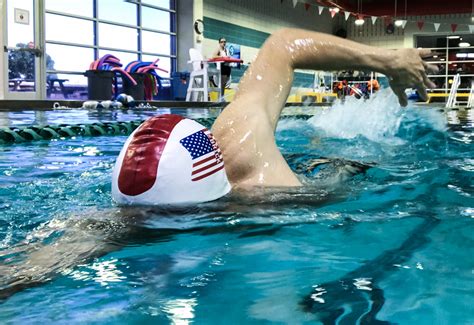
x: 406, y: 69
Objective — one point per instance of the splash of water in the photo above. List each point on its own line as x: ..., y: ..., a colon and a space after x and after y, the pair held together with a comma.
x: 377, y: 119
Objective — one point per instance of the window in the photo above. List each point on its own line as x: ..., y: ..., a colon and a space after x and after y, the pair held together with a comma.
x: 156, y: 43
x: 118, y: 37
x: 118, y: 11
x: 78, y: 32
x: 68, y: 58
x: 79, y: 8
x: 64, y: 29
x: 160, y: 3
x: 453, y: 54
x: 156, y: 19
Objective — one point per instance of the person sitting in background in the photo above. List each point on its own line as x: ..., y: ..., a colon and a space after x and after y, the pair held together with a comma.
x: 222, y: 52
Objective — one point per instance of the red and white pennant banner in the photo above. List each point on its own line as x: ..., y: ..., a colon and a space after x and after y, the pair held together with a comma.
x: 347, y: 14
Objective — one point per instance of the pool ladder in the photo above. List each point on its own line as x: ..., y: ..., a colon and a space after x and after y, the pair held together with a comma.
x: 470, y: 101
x: 452, y: 100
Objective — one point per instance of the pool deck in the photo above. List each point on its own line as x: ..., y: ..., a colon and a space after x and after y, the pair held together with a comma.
x: 20, y: 105
x: 291, y: 108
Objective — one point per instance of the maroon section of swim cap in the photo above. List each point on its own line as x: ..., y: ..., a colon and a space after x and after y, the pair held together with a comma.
x: 140, y: 163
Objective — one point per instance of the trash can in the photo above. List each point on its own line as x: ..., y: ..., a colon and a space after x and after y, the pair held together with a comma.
x: 99, y: 84
x: 136, y: 91
x: 179, y: 85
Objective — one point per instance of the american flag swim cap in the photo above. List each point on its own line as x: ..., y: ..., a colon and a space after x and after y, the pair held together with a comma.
x: 169, y: 159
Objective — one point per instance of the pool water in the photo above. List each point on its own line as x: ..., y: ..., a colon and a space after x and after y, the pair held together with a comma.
x: 393, y: 244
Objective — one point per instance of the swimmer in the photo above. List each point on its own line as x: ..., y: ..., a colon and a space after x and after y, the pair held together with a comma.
x: 164, y: 148
x: 241, y: 151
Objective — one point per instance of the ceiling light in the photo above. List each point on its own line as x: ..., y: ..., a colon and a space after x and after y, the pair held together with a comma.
x: 359, y: 21
x: 464, y: 44
x: 453, y: 37
x: 398, y: 23
x: 435, y: 56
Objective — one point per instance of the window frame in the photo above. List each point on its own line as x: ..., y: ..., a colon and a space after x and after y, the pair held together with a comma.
x: 96, y: 41
x: 446, y: 61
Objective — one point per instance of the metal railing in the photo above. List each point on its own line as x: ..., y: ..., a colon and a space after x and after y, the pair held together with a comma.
x: 451, y: 102
x: 470, y: 101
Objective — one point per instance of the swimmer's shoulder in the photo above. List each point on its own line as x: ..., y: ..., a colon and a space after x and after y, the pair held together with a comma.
x: 251, y: 156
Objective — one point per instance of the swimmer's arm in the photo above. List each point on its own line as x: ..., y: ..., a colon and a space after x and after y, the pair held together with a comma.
x: 405, y: 67
x: 245, y: 129
x: 270, y: 76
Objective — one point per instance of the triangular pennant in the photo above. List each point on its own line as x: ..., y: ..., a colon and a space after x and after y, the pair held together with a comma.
x: 436, y: 26
x: 294, y: 3
x: 453, y: 27
x: 420, y: 24
x: 306, y: 6
x: 374, y: 19
x: 320, y: 8
x: 333, y: 13
x: 471, y: 28
x: 404, y: 23
x: 347, y: 14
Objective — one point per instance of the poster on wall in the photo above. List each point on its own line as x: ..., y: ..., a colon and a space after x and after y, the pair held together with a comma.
x: 234, y: 52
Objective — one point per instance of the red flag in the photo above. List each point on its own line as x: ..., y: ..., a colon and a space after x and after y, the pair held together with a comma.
x: 387, y: 20
x: 453, y: 27
x: 333, y: 12
x: 420, y: 24
x: 306, y: 6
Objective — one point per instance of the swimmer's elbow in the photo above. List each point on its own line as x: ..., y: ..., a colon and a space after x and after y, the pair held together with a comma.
x: 289, y: 34
x: 280, y: 36
x: 276, y: 44
x: 284, y: 32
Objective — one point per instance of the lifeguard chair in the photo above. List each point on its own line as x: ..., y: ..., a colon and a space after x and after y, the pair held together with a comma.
x: 198, y: 86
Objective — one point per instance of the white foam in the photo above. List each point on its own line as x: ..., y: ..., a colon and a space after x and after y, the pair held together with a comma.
x: 377, y: 119
x: 291, y: 124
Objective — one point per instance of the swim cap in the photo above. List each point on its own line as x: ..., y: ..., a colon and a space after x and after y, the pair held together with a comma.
x: 169, y: 159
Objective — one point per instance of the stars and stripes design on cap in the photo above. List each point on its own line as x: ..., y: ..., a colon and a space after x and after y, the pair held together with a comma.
x: 205, y: 154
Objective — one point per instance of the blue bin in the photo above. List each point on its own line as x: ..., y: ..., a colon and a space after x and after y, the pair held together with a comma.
x: 179, y: 85
x: 164, y: 89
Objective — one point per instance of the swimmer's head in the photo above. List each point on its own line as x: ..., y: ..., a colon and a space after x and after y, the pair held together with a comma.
x: 169, y: 159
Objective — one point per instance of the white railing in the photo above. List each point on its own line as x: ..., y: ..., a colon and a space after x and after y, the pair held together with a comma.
x: 470, y: 101
x: 453, y: 92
